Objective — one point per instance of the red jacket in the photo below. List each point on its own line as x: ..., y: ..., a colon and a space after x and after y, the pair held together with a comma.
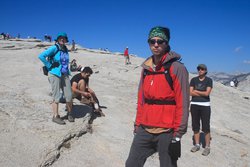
x: 126, y: 52
x: 156, y: 87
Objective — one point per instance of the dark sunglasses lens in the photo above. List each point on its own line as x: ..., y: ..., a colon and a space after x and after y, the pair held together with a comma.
x: 153, y: 41
x: 159, y: 42
x: 202, y: 69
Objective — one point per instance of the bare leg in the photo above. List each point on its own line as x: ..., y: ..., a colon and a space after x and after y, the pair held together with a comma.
x: 55, y: 108
x: 96, y: 105
x: 81, y: 85
x: 206, y: 151
x: 93, y: 96
x: 197, y: 142
x: 207, y: 139
x: 197, y: 137
x: 69, y: 106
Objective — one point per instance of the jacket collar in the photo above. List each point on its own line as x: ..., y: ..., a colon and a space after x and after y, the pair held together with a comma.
x: 148, y: 63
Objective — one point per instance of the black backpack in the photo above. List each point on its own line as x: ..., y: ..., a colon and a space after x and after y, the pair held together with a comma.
x: 50, y: 58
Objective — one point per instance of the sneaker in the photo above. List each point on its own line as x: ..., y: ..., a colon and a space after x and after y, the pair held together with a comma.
x: 70, y: 118
x: 195, y: 148
x: 206, y: 151
x: 58, y: 120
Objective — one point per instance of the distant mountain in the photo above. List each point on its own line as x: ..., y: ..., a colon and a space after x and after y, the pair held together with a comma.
x: 225, y: 78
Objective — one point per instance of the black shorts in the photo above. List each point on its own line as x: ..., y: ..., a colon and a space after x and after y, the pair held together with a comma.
x: 203, y: 114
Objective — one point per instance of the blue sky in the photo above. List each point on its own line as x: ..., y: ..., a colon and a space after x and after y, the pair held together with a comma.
x: 214, y: 32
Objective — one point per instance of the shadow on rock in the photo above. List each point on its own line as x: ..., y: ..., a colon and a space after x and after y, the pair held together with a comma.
x: 80, y: 111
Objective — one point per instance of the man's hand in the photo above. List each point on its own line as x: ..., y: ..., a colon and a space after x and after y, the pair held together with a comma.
x: 175, y: 148
x: 86, y: 94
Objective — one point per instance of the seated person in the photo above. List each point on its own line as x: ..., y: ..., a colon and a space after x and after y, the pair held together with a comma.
x: 82, y: 92
x: 74, y: 67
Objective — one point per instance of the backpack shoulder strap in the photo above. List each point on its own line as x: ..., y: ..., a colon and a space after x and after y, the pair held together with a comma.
x: 167, y: 73
x: 145, y: 72
x: 57, y: 49
x: 52, y: 56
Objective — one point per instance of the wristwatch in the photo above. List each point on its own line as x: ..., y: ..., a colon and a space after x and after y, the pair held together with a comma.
x: 177, y: 138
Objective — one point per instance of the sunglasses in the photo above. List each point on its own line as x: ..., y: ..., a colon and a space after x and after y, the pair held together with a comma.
x: 153, y: 41
x: 202, y: 69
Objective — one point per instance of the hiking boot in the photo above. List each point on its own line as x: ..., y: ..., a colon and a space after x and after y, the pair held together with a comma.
x: 70, y: 117
x: 206, y: 151
x: 195, y: 148
x: 102, y: 114
x: 58, y: 120
x: 99, y: 111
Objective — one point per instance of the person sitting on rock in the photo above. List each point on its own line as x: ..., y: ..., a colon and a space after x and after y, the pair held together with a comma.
x: 74, y: 67
x: 82, y: 91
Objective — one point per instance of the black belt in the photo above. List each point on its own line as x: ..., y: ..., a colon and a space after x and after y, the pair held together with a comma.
x: 160, y: 102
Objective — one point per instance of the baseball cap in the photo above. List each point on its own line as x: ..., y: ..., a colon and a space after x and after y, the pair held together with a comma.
x: 203, y: 66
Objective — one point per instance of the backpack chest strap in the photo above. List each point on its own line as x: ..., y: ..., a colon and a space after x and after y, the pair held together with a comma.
x: 160, y: 102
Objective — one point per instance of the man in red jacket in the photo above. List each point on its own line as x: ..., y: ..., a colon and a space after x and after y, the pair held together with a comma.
x: 126, y: 55
x: 162, y: 108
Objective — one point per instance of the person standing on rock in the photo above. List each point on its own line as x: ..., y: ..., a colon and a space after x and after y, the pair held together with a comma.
x: 126, y: 55
x: 200, y: 89
x: 56, y: 59
x: 73, y: 48
x: 162, y: 107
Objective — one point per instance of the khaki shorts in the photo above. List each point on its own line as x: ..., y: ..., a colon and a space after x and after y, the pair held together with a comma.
x: 62, y: 83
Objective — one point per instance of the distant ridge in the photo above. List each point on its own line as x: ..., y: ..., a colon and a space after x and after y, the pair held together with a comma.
x: 225, y: 78
x: 8, y: 45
